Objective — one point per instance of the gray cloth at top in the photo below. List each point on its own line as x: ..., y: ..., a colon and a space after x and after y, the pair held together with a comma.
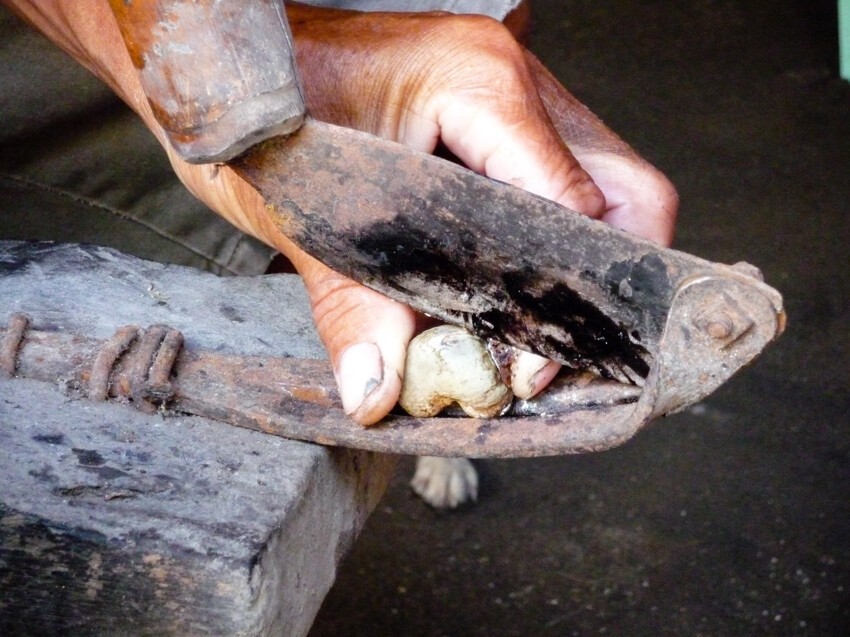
x: 494, y: 8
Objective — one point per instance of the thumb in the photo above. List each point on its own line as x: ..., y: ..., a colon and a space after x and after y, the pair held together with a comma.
x: 366, y: 336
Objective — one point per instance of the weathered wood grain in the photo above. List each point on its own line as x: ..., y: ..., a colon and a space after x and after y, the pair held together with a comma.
x: 120, y: 523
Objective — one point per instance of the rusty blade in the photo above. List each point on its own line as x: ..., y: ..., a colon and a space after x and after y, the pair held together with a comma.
x: 471, y: 251
x: 716, y: 325
x: 297, y: 398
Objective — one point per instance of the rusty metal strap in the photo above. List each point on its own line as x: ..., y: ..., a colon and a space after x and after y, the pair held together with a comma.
x: 297, y: 398
x: 109, y: 353
x: 11, y: 343
x: 142, y: 375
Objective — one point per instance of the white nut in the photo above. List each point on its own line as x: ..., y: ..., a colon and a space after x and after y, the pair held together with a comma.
x: 447, y: 364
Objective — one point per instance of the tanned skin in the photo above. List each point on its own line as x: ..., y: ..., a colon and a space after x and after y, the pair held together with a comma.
x: 420, y: 79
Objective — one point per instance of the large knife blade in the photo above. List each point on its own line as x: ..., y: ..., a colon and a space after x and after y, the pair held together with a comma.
x: 472, y: 251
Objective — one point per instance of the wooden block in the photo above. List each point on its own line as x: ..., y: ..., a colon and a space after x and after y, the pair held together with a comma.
x: 114, y: 522
x: 117, y: 522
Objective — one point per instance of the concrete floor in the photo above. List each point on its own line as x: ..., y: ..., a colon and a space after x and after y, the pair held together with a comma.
x: 732, y: 518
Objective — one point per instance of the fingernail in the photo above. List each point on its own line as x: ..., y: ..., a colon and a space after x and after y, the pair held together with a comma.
x: 531, y: 373
x: 543, y: 377
x: 359, y: 372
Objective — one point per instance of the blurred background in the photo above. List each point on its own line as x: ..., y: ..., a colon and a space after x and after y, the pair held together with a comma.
x: 731, y: 518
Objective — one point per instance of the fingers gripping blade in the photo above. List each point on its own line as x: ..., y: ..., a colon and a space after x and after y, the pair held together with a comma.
x: 471, y: 251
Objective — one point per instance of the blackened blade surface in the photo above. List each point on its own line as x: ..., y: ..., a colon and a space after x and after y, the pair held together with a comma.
x: 466, y: 249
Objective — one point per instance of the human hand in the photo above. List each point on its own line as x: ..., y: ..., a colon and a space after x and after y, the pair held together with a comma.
x: 464, y: 82
x: 419, y: 79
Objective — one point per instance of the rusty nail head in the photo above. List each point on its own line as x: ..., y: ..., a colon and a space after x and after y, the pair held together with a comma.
x: 722, y: 321
x: 719, y: 327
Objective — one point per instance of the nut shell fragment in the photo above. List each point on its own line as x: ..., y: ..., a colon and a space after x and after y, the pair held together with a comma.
x: 448, y: 365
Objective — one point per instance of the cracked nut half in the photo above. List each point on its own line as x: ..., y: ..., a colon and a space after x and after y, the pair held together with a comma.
x: 448, y: 365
